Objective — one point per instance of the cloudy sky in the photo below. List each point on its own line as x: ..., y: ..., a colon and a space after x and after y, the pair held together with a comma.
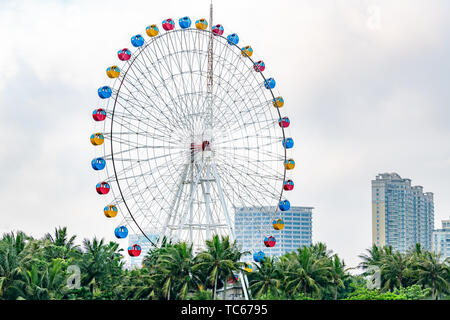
x: 366, y: 85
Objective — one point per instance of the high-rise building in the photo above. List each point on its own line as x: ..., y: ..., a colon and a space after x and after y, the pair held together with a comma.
x: 441, y: 240
x: 252, y: 224
x: 146, y: 245
x: 402, y: 215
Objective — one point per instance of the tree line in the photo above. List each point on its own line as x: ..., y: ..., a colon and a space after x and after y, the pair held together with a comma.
x: 55, y: 268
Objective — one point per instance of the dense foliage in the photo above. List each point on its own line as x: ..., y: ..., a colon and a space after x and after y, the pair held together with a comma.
x: 54, y: 267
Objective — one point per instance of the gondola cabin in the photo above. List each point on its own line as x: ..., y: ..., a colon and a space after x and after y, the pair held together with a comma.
x: 258, y: 256
x: 284, y: 122
x: 247, y: 51
x: 105, y: 92
x: 206, y: 145
x: 233, y: 39
x: 97, y: 139
x: 289, y: 164
x: 103, y: 188
x: 270, y: 83
x: 152, y: 31
x: 137, y: 41
x: 248, y: 268
x: 124, y: 54
x: 185, y: 22
x: 278, y: 224
x: 284, y: 205
x: 113, y: 72
x: 121, y: 232
x: 98, y: 164
x: 259, y: 66
x: 99, y: 114
x: 288, y: 185
x: 288, y: 143
x: 135, y: 250
x: 270, y: 242
x: 201, y: 24
x: 110, y: 211
x: 218, y: 29
x: 168, y: 24
x: 278, y: 102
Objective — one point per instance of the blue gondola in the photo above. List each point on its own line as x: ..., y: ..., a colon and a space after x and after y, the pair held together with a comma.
x: 258, y: 256
x: 137, y: 40
x: 233, y: 39
x: 185, y: 22
x: 284, y: 205
x: 105, y: 92
x: 121, y: 232
x: 270, y: 83
x: 288, y: 143
x: 98, y: 164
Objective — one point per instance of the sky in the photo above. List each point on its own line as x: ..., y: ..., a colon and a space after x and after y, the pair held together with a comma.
x: 365, y: 85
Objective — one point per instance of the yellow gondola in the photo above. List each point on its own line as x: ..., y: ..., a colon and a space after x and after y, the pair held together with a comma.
x: 278, y: 224
x: 152, y: 31
x: 278, y: 102
x: 201, y: 24
x: 113, y: 72
x: 289, y: 164
x: 248, y: 267
x: 247, y: 51
x: 111, y: 211
x: 97, y: 139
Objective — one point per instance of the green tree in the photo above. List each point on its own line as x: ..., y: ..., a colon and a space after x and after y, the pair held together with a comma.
x: 176, y: 271
x: 433, y: 274
x: 305, y: 272
x: 394, y: 268
x: 219, y: 261
x: 266, y: 280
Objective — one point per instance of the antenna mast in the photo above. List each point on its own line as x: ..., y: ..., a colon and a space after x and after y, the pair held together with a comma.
x: 210, y: 81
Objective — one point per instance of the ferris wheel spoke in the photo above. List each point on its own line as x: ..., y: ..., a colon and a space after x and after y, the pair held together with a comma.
x: 141, y: 104
x: 167, y: 62
x: 253, y: 174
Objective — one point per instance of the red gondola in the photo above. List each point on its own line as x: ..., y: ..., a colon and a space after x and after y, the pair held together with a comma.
x: 288, y: 185
x: 103, y: 188
x: 284, y: 122
x: 206, y: 145
x: 270, y: 242
x: 124, y: 54
x: 99, y: 115
x: 134, y: 250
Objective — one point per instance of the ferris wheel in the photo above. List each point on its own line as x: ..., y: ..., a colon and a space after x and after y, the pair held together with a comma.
x: 189, y: 130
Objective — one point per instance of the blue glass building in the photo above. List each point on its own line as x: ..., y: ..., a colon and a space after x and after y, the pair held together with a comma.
x: 402, y: 214
x: 251, y: 225
x: 441, y: 240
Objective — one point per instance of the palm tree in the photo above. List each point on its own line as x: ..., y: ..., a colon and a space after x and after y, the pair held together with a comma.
x: 219, y: 261
x: 61, y: 246
x: 433, y: 274
x: 372, y: 258
x: 337, y: 274
x: 394, y: 269
x: 61, y: 239
x: 46, y: 284
x: 320, y: 250
x: 266, y: 279
x: 101, y: 265
x: 136, y: 284
x: 305, y: 272
x: 14, y: 260
x: 176, y: 270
